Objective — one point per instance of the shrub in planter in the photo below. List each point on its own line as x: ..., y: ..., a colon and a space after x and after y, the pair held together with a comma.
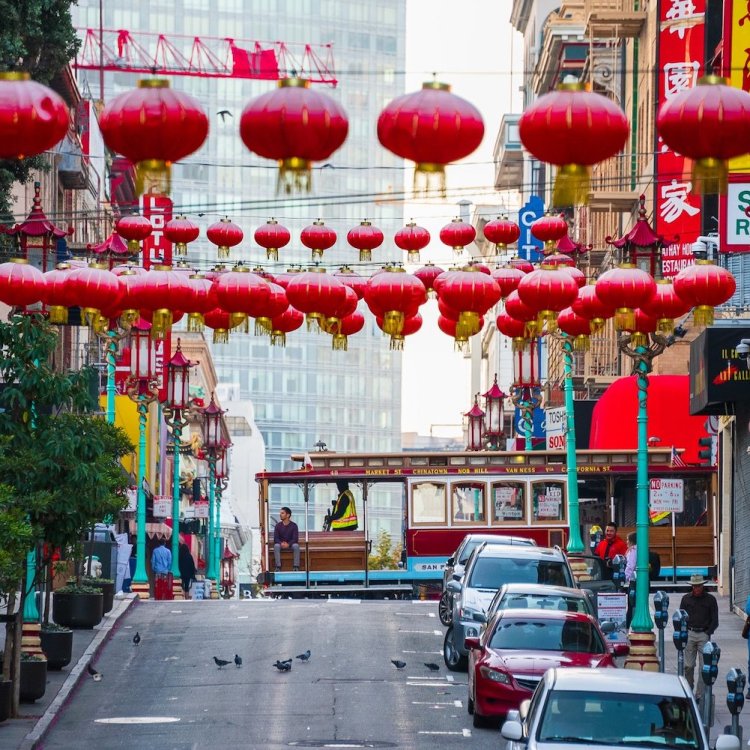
x: 78, y: 606
x: 6, y: 690
x: 57, y: 644
x: 33, y: 678
x: 107, y: 586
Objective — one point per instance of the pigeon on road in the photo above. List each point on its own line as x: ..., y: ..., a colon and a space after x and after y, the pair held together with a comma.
x: 221, y: 662
x: 136, y: 638
x: 431, y: 666
x: 398, y: 664
x: 96, y: 675
x: 283, y: 666
x: 238, y: 660
x: 304, y: 657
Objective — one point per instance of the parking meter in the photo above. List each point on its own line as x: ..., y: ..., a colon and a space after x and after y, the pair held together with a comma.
x: 661, y: 617
x: 595, y: 536
x: 618, y: 570
x: 709, y: 672
x: 680, y: 637
x: 735, y: 699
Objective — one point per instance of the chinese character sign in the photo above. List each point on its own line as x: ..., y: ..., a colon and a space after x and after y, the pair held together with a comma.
x: 156, y: 247
x: 678, y: 212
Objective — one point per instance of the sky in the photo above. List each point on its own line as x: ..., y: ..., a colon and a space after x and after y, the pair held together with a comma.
x: 472, y: 51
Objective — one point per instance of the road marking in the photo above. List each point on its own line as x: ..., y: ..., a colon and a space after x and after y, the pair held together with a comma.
x: 457, y: 704
x: 437, y: 632
x: 418, y: 632
x: 423, y: 652
x: 462, y: 733
x: 138, y: 720
x: 435, y: 703
x: 423, y: 683
x: 175, y: 611
x: 430, y: 614
x: 450, y: 677
x: 414, y: 614
x: 243, y: 617
x: 344, y: 601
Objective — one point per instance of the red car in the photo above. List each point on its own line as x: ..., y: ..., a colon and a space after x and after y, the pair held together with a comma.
x: 519, y: 645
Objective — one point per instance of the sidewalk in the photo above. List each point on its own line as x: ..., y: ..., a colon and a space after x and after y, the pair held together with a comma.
x: 26, y: 731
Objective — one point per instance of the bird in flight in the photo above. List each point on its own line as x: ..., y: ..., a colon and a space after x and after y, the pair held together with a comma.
x: 398, y: 663
x: 238, y: 660
x: 304, y: 657
x: 283, y: 666
x: 221, y: 662
x: 224, y: 113
x: 96, y: 675
x: 431, y: 666
x: 136, y: 638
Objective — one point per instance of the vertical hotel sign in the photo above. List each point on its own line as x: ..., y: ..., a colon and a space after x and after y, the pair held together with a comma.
x: 680, y: 60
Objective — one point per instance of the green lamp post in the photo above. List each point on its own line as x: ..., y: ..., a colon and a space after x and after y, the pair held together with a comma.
x: 212, y: 441
x: 526, y: 391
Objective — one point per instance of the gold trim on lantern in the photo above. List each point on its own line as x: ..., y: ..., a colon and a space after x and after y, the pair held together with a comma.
x: 239, y: 319
x: 278, y: 338
x: 436, y: 86
x: 711, y: 79
x: 128, y: 317
x: 340, y: 342
x: 14, y: 75
x: 703, y: 315
x: 294, y: 82
x: 581, y: 343
x: 153, y: 83
x: 572, y: 183
x: 393, y: 322
x: 153, y: 176
x: 710, y: 176
x: 638, y: 339
x: 262, y: 326
x: 518, y: 343
x: 58, y: 314
x: 624, y: 319
x: 195, y: 323
x: 665, y: 325
x: 161, y: 321
x: 467, y: 324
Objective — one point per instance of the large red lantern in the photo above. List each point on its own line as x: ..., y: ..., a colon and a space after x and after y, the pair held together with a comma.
x: 507, y: 278
x: 432, y: 128
x: 181, y: 230
x: 58, y: 294
x: 346, y: 307
x: 502, y: 232
x: 33, y: 118
x: 549, y: 229
x: 521, y: 311
x: 704, y: 286
x: 134, y: 229
x: 352, y: 280
x: 665, y: 306
x: 272, y: 236
x: 290, y: 320
x: 457, y: 235
x: 296, y: 126
x: 457, y: 331
x: 225, y: 234
x: 348, y: 326
x: 395, y: 296
x: 589, y: 305
x: 513, y: 328
x: 163, y: 292
x: 316, y: 294
x: 318, y: 237
x: 412, y: 324
x: 95, y: 288
x: 428, y: 274
x: 365, y: 238
x: 472, y: 294
x: 412, y: 238
x: 276, y: 304
x: 708, y: 123
x: 154, y: 126
x: 625, y: 288
x: 201, y: 300
x: 221, y: 322
x: 21, y: 284
x: 547, y: 291
x: 243, y: 293
x: 575, y: 326
x: 573, y: 129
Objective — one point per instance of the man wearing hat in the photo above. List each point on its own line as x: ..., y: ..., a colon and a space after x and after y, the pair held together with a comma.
x: 703, y: 619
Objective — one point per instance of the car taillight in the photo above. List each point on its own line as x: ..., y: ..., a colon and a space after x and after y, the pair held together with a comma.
x: 495, y: 675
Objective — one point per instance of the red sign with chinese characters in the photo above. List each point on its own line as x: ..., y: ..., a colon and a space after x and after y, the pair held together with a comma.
x: 680, y: 64
x: 156, y: 247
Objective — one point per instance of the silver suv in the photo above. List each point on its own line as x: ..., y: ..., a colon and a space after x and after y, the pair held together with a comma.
x: 488, y: 568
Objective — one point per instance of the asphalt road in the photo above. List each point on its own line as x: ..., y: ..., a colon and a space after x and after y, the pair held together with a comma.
x: 168, y: 693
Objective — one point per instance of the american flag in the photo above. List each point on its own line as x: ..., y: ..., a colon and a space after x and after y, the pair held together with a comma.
x: 675, y: 460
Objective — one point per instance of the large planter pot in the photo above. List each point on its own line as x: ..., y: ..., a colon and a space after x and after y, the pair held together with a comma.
x: 6, y: 690
x: 108, y: 592
x: 33, y: 680
x: 58, y: 647
x: 77, y: 610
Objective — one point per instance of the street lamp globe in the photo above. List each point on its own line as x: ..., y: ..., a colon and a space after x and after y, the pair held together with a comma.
x: 493, y: 404
x: 476, y: 427
x: 212, y: 425
x: 142, y: 352
x: 178, y: 380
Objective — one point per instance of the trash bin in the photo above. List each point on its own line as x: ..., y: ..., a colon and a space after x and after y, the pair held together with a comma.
x: 102, y: 544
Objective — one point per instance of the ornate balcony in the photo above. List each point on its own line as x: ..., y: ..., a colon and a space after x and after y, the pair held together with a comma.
x: 508, y: 155
x: 614, y: 19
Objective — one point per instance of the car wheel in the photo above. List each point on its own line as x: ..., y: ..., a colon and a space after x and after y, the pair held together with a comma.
x: 479, y: 720
x: 452, y: 658
x: 445, y: 609
x: 470, y: 704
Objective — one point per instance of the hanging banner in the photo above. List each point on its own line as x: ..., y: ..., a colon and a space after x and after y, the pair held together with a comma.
x: 156, y: 247
x: 680, y: 63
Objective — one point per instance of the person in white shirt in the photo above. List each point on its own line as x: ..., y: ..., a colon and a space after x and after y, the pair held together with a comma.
x: 630, y: 560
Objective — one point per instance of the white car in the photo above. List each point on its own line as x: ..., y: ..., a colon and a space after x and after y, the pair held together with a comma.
x: 609, y: 708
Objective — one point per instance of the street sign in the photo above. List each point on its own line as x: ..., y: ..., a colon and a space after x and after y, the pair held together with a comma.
x: 529, y: 247
x: 201, y: 509
x: 162, y: 505
x: 666, y: 495
x: 555, y: 428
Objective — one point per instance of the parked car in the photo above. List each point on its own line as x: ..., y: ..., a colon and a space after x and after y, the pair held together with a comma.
x: 609, y: 708
x: 488, y: 568
x: 540, y: 596
x: 519, y: 646
x: 597, y: 577
x: 454, y: 565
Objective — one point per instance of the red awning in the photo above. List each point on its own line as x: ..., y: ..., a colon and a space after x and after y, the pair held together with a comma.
x: 614, y: 425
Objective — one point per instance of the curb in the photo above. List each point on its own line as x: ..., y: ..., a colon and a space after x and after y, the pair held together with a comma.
x: 35, y: 736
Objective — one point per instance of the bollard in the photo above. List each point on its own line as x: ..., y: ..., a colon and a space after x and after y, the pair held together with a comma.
x: 735, y: 700
x: 679, y: 637
x: 661, y: 617
x: 709, y: 673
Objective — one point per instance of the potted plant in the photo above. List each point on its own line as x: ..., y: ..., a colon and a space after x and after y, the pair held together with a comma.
x: 107, y: 585
x: 33, y: 677
x: 57, y: 644
x: 77, y: 606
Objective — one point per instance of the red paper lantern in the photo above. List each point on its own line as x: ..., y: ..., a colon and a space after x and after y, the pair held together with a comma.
x: 95, y: 288
x: 202, y: 299
x: 577, y: 275
x: 502, y: 232
x: 708, y: 123
x: 290, y: 320
x: 475, y: 265
x: 33, y: 118
x: 432, y: 128
x: 642, y: 325
x: 412, y: 324
x: 352, y: 280
x: 471, y: 293
x: 625, y: 288
x: 575, y: 326
x: 522, y: 265
x: 704, y: 286
x: 348, y: 326
x: 547, y: 291
x: 181, y: 230
x: 427, y: 274
x: 458, y: 332
x: 513, y: 328
x: 221, y: 322
x: 412, y: 238
x: 164, y: 292
x: 558, y: 260
x: 134, y: 229
x: 226, y: 234
x: 665, y: 306
x: 457, y: 235
x: 272, y: 236
x: 296, y: 126
x: 365, y: 238
x: 549, y: 229
x: 507, y: 279
x: 573, y: 129
x: 316, y: 294
x: 244, y: 294
x: 58, y: 293
x: 588, y: 305
x: 20, y: 283
x: 154, y: 126
x: 275, y: 306
x: 318, y: 237
x: 394, y: 295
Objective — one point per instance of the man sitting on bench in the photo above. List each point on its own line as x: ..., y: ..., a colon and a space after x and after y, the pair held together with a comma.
x: 286, y: 536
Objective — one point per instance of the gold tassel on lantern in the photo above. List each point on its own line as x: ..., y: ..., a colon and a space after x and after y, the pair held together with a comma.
x: 548, y: 318
x: 221, y: 336
x: 239, y: 319
x: 272, y: 253
x: 195, y: 322
x: 571, y: 185
x: 339, y: 342
x: 703, y: 315
x: 624, y: 319
x: 397, y: 343
x: 467, y: 324
x: 58, y: 314
x: 581, y: 343
x: 91, y: 316
x: 278, y: 338
x: 262, y: 326
x: 295, y: 175
x: 429, y: 178
x: 153, y: 176
x: 665, y: 325
x: 518, y: 344
x: 393, y: 322
x: 710, y: 176
x: 638, y: 339
x: 161, y: 322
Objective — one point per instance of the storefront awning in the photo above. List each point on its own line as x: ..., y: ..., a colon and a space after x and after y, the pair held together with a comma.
x: 159, y: 530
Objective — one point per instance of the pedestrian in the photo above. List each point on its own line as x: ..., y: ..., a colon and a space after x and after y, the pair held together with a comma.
x: 630, y: 562
x: 611, y: 546
x: 703, y: 619
x: 286, y: 536
x: 344, y: 512
x: 187, y: 567
x: 161, y: 564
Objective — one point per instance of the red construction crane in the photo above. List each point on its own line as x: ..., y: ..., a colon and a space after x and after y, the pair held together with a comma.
x: 203, y: 57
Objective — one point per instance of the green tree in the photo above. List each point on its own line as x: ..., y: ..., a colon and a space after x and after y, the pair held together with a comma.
x: 36, y: 36
x: 59, y: 461
x: 385, y: 556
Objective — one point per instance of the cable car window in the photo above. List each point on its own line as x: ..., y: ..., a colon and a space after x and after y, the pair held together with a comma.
x: 508, y: 502
x: 428, y: 504
x: 467, y: 503
x: 548, y: 501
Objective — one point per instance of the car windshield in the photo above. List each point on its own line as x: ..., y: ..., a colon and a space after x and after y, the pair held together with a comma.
x: 626, y: 720
x: 547, y: 635
x: 492, y: 572
x: 563, y: 602
x: 465, y: 553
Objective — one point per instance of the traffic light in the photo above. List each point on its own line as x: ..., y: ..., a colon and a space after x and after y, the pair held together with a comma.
x: 705, y: 454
